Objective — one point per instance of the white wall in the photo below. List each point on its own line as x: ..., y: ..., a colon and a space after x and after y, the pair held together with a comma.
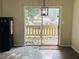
x: 75, y: 26
x: 15, y: 8
x: 0, y: 7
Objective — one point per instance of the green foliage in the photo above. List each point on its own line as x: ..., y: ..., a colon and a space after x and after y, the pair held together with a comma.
x: 31, y: 13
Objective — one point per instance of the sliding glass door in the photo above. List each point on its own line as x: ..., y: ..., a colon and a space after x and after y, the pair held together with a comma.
x: 41, y: 29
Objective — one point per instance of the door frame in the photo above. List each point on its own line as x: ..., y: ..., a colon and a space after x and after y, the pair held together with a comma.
x: 59, y: 24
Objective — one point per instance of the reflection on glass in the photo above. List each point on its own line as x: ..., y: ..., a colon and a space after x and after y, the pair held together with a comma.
x: 33, y: 16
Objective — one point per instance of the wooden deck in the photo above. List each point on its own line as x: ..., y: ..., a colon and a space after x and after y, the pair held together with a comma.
x: 45, y: 40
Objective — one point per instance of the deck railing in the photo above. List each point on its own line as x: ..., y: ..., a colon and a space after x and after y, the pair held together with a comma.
x: 47, y: 30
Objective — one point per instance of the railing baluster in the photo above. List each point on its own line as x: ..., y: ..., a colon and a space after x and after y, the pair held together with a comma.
x: 28, y: 30
x: 49, y: 31
x: 35, y: 30
x: 46, y: 30
x: 32, y: 30
x: 54, y: 31
x: 38, y: 31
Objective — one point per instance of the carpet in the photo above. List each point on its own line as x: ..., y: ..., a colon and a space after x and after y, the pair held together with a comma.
x: 50, y: 48
x: 22, y: 53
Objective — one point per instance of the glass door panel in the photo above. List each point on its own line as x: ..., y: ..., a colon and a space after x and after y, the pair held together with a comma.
x: 50, y: 26
x: 41, y: 29
x: 33, y: 25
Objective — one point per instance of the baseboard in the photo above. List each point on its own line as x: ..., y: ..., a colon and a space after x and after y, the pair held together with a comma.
x: 18, y: 45
x: 75, y: 49
x: 65, y: 45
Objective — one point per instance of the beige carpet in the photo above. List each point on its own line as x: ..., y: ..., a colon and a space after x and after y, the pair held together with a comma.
x: 22, y: 53
x: 50, y: 48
